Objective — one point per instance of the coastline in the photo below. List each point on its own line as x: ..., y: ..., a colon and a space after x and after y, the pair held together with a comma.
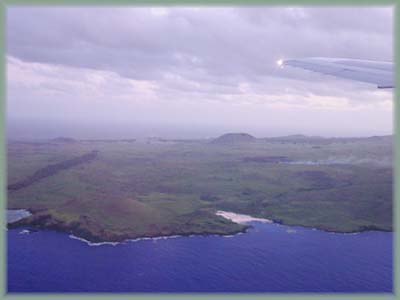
x: 244, y: 219
x: 47, y: 222
x: 164, y: 237
x: 14, y: 215
x: 114, y: 239
x: 240, y: 218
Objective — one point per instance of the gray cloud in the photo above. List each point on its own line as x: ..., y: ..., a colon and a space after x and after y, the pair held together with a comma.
x: 242, y: 42
x: 190, y: 57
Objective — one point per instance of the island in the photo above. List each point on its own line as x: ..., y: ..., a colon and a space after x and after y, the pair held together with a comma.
x: 114, y: 190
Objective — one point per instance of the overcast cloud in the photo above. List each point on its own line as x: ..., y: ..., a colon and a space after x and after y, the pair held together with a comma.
x: 192, y: 72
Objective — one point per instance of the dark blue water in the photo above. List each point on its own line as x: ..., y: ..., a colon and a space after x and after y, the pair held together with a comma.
x: 268, y: 258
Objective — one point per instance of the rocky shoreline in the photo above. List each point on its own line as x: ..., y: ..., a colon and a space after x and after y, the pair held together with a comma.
x: 79, y: 230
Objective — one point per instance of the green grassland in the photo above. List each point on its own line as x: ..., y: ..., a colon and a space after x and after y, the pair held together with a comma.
x: 160, y: 187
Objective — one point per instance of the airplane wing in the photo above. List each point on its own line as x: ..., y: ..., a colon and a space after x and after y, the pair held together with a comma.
x: 376, y: 72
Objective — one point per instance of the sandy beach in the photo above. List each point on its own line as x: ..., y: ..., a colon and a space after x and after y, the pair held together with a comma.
x: 238, y: 218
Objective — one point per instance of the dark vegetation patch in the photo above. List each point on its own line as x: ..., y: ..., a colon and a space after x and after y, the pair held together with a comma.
x: 209, y: 197
x: 52, y: 169
x: 317, y: 179
x: 321, y: 180
x: 267, y: 159
x: 111, y: 141
x: 64, y: 140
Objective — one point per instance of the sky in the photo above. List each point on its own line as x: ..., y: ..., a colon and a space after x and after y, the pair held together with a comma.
x: 192, y: 72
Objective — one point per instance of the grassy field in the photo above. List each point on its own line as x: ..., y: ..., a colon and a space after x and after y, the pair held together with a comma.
x: 159, y: 187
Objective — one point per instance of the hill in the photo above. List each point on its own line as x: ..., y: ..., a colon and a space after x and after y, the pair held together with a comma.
x: 232, y: 138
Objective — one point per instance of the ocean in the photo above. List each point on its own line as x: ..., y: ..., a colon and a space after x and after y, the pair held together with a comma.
x: 267, y: 258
